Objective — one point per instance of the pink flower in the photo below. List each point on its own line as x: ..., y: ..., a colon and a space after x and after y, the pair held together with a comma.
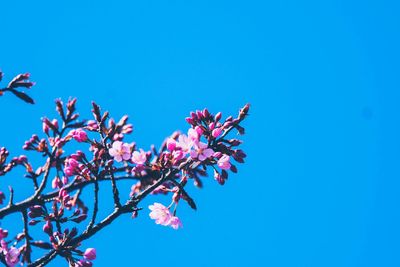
x: 194, y: 134
x: 163, y: 216
x: 175, y: 222
x: 185, y: 143
x: 71, y: 166
x: 120, y: 151
x: 79, y: 135
x: 178, y: 155
x: 224, y: 163
x: 90, y: 254
x: 139, y: 157
x: 171, y: 144
x: 12, y: 256
x: 160, y: 213
x: 201, y: 151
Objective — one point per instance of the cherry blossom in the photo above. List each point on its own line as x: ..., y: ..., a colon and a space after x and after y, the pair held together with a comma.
x: 139, y: 157
x: 12, y: 256
x: 175, y: 222
x: 201, y: 151
x: 120, y: 151
x: 185, y: 143
x: 59, y: 205
x: 160, y: 213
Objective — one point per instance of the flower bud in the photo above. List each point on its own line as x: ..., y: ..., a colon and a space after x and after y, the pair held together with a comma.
x: 90, y: 254
x: 48, y: 228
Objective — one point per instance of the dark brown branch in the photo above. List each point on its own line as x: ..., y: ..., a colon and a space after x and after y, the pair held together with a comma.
x: 117, y: 202
x: 44, y: 260
x: 20, y: 206
x: 27, y: 237
x: 95, y: 204
x: 129, y: 206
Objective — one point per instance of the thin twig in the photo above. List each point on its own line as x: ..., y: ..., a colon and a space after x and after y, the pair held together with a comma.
x: 95, y: 204
x: 27, y: 237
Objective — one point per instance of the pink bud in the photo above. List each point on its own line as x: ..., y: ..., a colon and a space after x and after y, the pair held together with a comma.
x: 45, y: 128
x: 171, y: 144
x: 211, y: 126
x: 55, y: 123
x: 79, y: 135
x: 48, y: 228
x: 216, y: 132
x: 199, y: 130
x: 189, y: 120
x: 90, y: 254
x: 206, y: 113
x: 218, y: 116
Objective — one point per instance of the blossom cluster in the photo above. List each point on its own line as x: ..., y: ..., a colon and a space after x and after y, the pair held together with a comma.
x: 58, y: 208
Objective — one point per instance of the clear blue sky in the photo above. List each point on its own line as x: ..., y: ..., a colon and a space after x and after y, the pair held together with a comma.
x: 322, y: 180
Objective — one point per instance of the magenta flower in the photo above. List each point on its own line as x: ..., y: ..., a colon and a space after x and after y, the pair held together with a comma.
x: 90, y: 254
x: 194, y: 135
x: 163, y: 216
x: 79, y: 135
x: 160, y: 213
x: 201, y: 151
x: 120, y: 151
x: 175, y: 222
x: 224, y: 163
x: 71, y: 166
x: 12, y: 257
x: 171, y: 144
x: 139, y: 157
x: 185, y: 143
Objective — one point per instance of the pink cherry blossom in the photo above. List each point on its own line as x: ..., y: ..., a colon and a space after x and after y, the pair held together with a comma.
x: 224, y: 163
x: 120, y: 151
x: 160, y: 213
x: 71, y: 166
x: 163, y: 216
x: 201, y: 151
x: 175, y: 222
x: 139, y: 157
x: 178, y: 155
x: 171, y: 144
x: 194, y: 134
x: 185, y: 143
x: 12, y: 257
x: 90, y: 254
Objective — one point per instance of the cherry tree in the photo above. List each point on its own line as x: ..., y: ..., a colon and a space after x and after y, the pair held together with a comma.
x: 57, y: 218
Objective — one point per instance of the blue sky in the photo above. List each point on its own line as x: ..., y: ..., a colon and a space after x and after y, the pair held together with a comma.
x: 320, y: 185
